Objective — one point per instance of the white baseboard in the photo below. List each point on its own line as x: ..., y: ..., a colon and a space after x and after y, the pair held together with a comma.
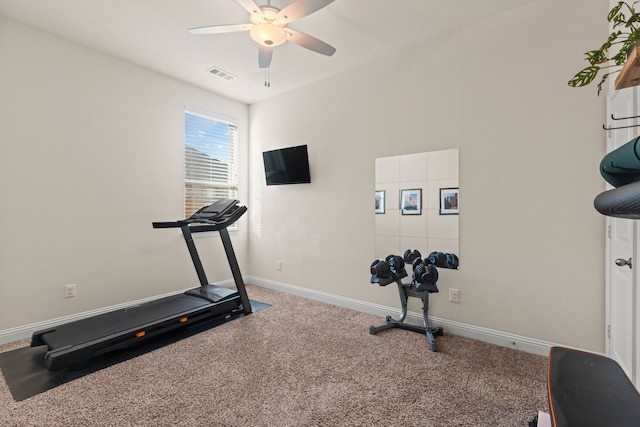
x: 504, y: 339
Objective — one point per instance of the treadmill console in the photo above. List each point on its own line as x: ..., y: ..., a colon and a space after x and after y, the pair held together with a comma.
x: 215, y: 210
x: 213, y: 217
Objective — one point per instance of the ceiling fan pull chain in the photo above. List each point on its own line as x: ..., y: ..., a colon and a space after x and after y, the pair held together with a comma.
x: 267, y: 81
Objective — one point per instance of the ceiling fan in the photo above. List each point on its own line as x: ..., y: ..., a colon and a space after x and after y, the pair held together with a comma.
x: 268, y: 27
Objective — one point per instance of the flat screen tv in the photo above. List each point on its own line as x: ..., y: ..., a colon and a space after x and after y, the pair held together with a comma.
x: 287, y: 166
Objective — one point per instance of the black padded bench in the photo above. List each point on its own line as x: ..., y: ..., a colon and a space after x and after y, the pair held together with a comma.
x: 590, y: 390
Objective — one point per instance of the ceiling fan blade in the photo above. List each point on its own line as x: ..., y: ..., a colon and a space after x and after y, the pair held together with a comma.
x: 219, y: 29
x: 310, y: 42
x: 250, y: 6
x: 300, y: 9
x: 265, y: 54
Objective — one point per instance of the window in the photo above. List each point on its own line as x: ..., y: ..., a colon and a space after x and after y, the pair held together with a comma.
x: 210, y: 160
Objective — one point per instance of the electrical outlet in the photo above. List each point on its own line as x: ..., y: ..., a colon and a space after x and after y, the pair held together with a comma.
x: 454, y: 295
x: 69, y: 291
x: 278, y: 265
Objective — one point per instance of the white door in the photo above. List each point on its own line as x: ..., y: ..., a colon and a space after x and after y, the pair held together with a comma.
x: 621, y: 344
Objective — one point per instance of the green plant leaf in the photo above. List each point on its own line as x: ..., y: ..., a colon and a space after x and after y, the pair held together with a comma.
x: 624, y: 48
x: 612, y: 37
x: 584, y: 77
x: 616, y: 16
x: 613, y: 13
x: 619, y: 20
x: 632, y: 20
x: 593, y: 56
x: 634, y: 37
x: 620, y: 57
x: 598, y: 56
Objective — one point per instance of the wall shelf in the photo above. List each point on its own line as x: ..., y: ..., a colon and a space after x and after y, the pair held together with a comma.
x: 630, y: 74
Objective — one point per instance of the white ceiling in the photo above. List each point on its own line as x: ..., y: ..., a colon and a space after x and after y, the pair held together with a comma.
x: 153, y: 34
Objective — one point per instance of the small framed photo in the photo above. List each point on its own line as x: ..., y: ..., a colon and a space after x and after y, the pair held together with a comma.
x: 449, y: 201
x: 411, y: 201
x: 380, y: 202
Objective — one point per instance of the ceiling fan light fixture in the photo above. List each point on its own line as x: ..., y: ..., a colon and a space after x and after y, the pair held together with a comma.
x: 268, y: 34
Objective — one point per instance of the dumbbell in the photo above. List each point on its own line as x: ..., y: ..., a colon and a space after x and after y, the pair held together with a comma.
x: 396, y: 264
x: 379, y: 270
x: 439, y: 259
x: 452, y: 260
x: 411, y: 255
x: 425, y: 277
x: 416, y: 262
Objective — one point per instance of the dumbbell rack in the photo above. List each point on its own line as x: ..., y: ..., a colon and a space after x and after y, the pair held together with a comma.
x: 406, y: 290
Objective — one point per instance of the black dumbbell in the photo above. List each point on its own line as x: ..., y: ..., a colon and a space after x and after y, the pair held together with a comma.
x: 411, y: 255
x: 416, y: 262
x: 452, y: 260
x: 425, y: 274
x: 396, y: 264
x: 379, y: 269
x: 425, y: 278
x: 438, y: 259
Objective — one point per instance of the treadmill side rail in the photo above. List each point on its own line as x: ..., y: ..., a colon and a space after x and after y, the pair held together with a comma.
x: 81, y: 352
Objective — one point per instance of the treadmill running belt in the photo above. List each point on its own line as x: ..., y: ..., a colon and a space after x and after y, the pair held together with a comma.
x: 136, y: 317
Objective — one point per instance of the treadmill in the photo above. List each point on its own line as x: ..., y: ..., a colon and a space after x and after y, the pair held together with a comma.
x: 73, y: 345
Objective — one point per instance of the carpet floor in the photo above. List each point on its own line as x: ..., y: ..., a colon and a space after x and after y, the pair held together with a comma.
x: 298, y: 363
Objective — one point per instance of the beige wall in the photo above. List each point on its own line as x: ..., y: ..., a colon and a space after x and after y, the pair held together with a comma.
x: 532, y: 245
x: 91, y: 154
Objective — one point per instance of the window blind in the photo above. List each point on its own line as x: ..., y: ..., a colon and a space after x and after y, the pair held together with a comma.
x: 210, y: 161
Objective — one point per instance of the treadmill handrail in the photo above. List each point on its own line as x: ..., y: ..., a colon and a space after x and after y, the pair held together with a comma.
x: 198, y: 225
